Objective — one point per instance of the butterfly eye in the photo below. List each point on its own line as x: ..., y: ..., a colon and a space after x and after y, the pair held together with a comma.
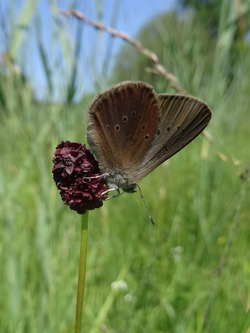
x: 124, y: 119
x: 117, y: 127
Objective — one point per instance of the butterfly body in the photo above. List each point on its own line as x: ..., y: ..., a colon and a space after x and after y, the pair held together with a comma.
x: 132, y: 130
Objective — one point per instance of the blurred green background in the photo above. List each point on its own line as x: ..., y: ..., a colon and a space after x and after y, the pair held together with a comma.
x: 190, y: 272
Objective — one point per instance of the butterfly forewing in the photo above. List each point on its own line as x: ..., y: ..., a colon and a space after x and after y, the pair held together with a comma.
x: 122, y: 123
x: 182, y: 118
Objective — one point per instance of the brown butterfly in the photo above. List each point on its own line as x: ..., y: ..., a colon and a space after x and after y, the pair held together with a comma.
x: 131, y: 130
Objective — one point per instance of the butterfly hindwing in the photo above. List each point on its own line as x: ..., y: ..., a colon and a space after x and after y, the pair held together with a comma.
x: 182, y: 118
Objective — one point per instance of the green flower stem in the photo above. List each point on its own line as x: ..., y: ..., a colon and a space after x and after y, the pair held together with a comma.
x: 82, y: 272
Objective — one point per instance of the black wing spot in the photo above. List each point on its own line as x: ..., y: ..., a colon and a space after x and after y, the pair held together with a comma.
x: 117, y: 127
x: 124, y: 119
x: 146, y: 136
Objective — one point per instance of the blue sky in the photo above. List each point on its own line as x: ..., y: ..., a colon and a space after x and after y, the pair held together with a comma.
x: 96, y: 47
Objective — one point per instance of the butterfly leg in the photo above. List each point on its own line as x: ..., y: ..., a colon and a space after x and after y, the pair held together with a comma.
x: 114, y: 188
x: 103, y: 175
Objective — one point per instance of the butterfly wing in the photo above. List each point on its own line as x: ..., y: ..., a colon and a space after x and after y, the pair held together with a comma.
x: 182, y: 118
x: 122, y: 123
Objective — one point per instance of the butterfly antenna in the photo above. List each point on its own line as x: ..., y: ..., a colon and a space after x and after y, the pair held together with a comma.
x: 145, y: 204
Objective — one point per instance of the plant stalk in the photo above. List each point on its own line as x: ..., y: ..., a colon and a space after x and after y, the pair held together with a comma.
x: 82, y: 272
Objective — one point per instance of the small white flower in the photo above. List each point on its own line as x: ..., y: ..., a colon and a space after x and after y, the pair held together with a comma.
x: 179, y: 249
x: 176, y: 250
x: 122, y: 285
x: 130, y: 298
x: 176, y: 253
x: 177, y: 258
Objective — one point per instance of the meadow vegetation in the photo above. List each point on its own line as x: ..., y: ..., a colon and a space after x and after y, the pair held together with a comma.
x: 190, y: 272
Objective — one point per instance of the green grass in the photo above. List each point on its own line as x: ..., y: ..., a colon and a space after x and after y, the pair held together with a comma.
x: 189, y: 273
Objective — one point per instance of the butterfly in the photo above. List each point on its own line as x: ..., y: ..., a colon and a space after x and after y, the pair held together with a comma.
x: 132, y: 130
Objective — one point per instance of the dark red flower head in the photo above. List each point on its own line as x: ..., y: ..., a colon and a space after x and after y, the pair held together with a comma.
x: 73, y: 166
